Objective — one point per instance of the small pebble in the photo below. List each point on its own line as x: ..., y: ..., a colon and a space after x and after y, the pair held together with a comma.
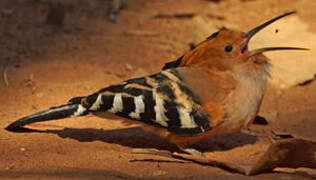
x: 159, y: 173
x: 128, y: 67
x: 88, y: 87
x: 9, y: 167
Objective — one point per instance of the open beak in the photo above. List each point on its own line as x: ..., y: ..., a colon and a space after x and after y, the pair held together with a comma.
x: 251, y: 33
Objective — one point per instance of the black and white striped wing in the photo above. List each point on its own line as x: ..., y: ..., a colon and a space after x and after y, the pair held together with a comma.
x: 160, y: 100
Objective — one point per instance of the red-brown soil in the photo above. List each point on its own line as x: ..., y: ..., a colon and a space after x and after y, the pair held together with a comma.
x: 47, y: 65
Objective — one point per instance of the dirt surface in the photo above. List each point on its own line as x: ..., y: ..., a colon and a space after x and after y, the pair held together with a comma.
x: 45, y: 65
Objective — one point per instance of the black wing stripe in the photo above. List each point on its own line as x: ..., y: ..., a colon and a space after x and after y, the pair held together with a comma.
x: 113, y: 89
x: 159, y: 77
x: 88, y: 101
x: 149, y: 114
x: 128, y: 105
x: 189, y: 93
x: 172, y: 114
x: 107, y: 102
x: 201, y: 119
x: 199, y: 125
x: 139, y: 81
x: 173, y: 64
x: 166, y: 90
x: 176, y: 73
x: 133, y: 91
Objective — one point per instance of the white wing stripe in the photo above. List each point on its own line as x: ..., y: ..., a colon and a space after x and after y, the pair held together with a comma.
x: 185, y: 119
x: 98, y: 102
x: 139, y: 107
x: 117, y: 104
x: 79, y: 111
x: 160, y: 112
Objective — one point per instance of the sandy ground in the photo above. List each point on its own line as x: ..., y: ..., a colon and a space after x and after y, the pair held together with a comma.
x: 47, y: 65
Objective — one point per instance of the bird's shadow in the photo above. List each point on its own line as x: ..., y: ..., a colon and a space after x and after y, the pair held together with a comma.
x: 136, y: 137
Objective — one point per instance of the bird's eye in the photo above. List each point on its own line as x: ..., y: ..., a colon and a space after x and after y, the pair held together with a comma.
x: 228, y: 48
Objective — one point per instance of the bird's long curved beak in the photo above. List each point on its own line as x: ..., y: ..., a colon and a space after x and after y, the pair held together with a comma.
x: 251, y: 33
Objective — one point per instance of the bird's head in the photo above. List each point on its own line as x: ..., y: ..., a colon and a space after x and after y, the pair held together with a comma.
x: 227, y: 49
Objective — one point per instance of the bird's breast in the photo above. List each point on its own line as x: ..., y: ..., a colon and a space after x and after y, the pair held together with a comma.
x: 243, y: 104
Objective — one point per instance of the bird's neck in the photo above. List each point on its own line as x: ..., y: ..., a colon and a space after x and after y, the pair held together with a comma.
x: 245, y: 102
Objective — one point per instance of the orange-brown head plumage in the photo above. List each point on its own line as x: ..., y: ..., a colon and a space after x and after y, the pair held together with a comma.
x: 228, y: 49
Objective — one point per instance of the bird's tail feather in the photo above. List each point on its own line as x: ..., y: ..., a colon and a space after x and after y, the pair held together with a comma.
x: 60, y: 112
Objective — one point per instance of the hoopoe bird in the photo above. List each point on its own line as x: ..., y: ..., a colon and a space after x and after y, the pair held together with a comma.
x: 215, y: 88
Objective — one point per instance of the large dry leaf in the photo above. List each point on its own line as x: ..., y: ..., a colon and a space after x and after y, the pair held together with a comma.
x: 289, y: 67
x: 291, y: 153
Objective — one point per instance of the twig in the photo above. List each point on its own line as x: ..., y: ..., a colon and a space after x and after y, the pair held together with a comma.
x: 213, y: 162
x: 5, y: 77
x: 140, y: 33
x: 152, y: 152
x: 213, y: 16
x: 194, y: 158
x: 176, y: 15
